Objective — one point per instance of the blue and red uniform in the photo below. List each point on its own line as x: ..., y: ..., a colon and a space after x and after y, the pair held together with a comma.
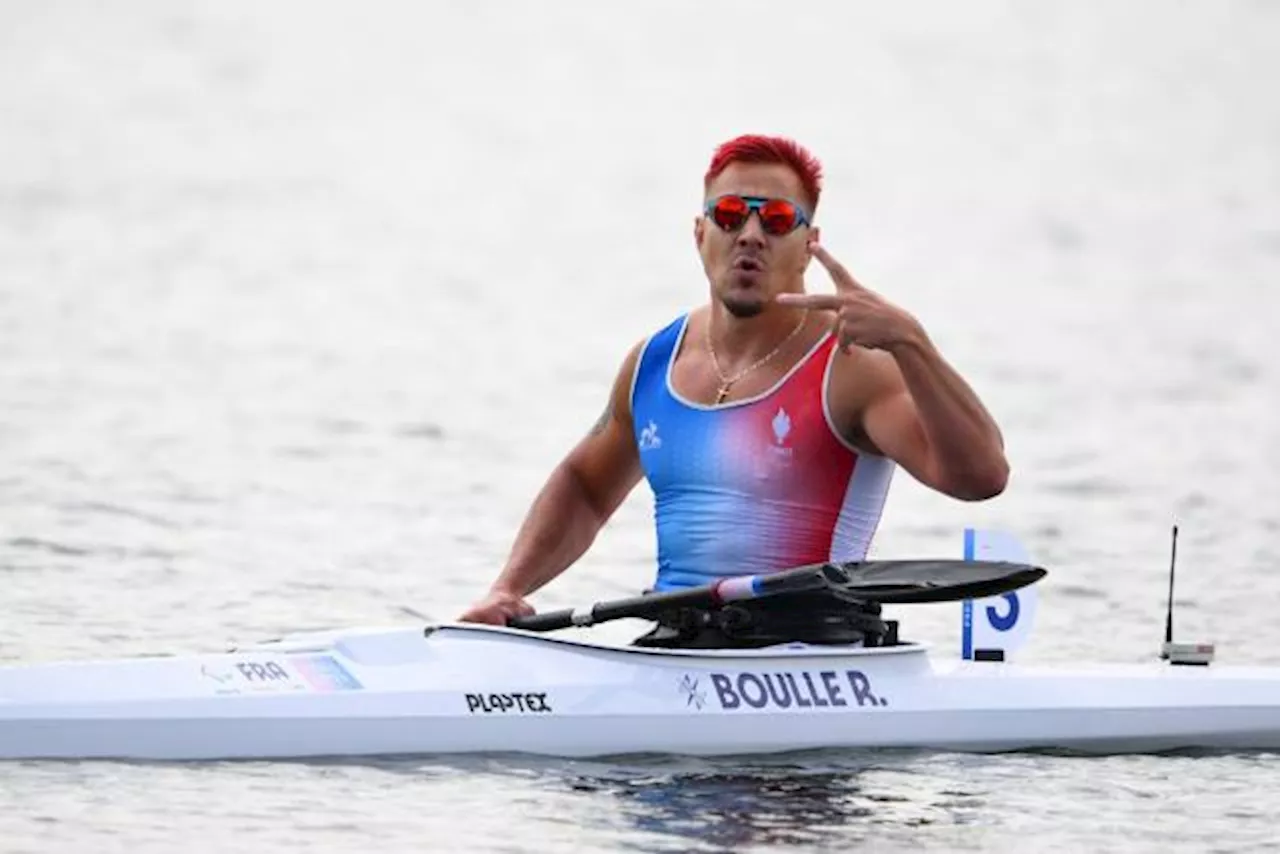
x: 752, y: 485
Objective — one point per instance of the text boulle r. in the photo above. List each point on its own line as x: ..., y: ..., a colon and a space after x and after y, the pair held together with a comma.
x: 803, y: 690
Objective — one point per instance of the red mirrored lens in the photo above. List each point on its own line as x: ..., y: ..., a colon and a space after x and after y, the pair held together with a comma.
x: 730, y: 213
x: 778, y: 216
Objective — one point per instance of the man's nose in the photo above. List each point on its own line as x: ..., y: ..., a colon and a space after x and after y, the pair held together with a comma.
x: 752, y: 234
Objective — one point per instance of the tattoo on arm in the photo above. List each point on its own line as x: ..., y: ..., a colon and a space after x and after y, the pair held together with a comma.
x: 603, y: 420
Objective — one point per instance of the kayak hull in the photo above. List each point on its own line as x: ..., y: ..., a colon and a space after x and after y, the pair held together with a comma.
x: 473, y: 689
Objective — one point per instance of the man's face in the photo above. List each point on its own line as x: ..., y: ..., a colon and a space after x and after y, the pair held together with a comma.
x: 749, y: 266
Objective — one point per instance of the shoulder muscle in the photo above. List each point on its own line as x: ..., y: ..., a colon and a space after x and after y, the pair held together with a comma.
x: 859, y: 380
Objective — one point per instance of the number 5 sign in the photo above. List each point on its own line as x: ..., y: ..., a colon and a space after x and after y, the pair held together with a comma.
x: 1001, y: 622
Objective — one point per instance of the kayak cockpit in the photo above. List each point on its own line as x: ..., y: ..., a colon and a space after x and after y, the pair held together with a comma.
x: 479, y: 633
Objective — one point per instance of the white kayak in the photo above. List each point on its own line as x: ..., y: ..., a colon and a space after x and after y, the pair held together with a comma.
x: 465, y: 688
x: 455, y: 688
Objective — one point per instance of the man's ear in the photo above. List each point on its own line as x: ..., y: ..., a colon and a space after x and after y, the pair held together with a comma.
x: 815, y: 236
x: 699, y: 228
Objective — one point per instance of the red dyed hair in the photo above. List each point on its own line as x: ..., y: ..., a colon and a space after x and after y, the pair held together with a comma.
x: 755, y: 148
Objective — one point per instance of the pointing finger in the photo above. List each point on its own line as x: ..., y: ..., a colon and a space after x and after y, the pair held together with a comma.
x: 844, y: 280
x: 816, y: 301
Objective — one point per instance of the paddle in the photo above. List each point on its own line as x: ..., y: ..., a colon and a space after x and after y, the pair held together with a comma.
x: 884, y: 581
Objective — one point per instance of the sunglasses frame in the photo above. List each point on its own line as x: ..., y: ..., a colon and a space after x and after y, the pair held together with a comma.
x: 755, y: 204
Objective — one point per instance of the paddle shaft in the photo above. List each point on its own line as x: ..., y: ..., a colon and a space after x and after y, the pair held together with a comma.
x: 650, y: 605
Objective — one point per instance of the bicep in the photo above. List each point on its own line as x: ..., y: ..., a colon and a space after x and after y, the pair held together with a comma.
x: 605, y: 461
x: 892, y: 427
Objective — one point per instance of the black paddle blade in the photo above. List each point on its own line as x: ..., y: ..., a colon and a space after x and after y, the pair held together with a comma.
x: 905, y: 581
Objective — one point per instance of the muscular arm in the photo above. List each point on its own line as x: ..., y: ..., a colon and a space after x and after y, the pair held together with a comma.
x: 580, y: 495
x: 897, y: 396
x: 913, y: 407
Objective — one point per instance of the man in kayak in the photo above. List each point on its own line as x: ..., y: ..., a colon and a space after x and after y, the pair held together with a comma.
x: 767, y: 422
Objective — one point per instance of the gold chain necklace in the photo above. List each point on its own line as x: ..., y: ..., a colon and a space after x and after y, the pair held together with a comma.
x: 726, y: 382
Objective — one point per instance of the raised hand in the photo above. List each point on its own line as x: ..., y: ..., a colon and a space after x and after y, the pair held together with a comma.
x: 863, y: 317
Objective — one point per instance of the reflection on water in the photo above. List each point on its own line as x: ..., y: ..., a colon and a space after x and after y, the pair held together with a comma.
x: 802, y: 800
x: 742, y: 808
x: 817, y: 800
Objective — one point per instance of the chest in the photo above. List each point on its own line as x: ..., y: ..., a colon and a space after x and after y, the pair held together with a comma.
x: 697, y: 378
x: 751, y: 446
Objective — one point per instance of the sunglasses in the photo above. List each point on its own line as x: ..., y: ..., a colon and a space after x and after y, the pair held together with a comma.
x: 777, y: 216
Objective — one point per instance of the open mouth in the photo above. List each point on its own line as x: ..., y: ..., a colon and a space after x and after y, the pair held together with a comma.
x: 748, y: 264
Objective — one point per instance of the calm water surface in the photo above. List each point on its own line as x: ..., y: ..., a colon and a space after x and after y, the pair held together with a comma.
x: 299, y: 303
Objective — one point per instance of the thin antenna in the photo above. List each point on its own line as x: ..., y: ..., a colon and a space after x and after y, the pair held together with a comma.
x: 1180, y: 653
x: 1168, y: 617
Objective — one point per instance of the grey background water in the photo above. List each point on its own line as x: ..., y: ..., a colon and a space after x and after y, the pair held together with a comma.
x: 299, y: 302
